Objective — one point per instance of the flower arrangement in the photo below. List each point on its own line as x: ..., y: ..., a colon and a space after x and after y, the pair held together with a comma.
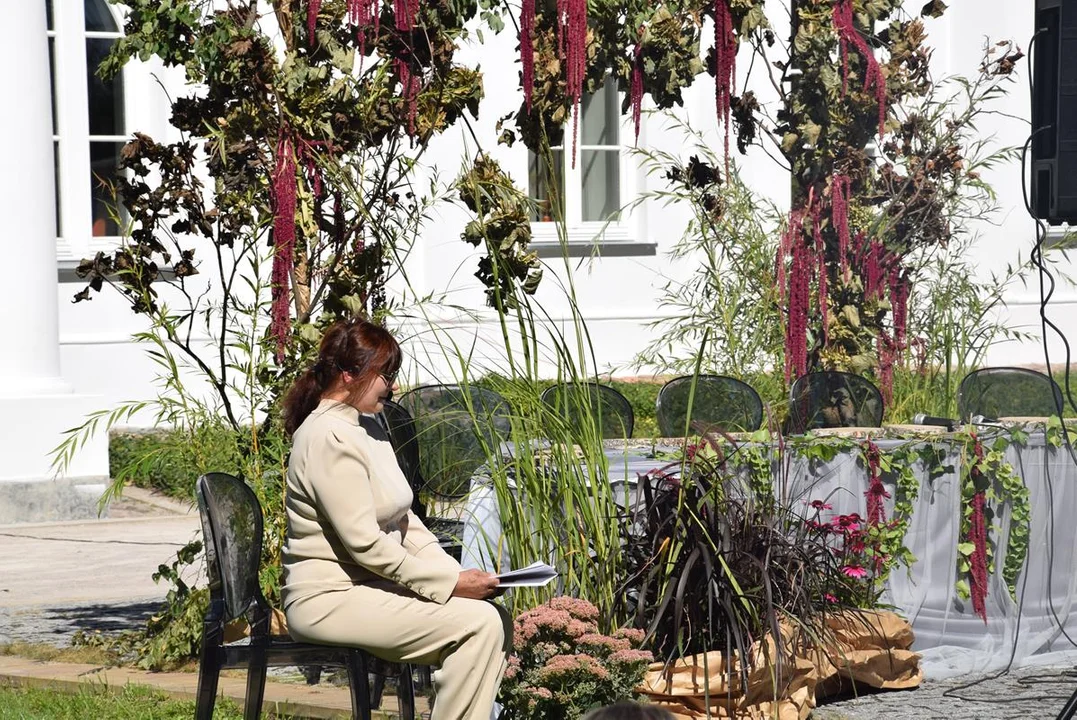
x: 562, y: 666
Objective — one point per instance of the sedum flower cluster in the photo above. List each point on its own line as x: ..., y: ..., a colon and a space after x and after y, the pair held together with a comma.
x: 562, y: 666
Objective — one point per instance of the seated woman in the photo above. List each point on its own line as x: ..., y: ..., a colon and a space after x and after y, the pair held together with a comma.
x: 360, y: 569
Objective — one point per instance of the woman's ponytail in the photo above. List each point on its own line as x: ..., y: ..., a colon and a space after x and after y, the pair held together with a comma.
x: 301, y: 400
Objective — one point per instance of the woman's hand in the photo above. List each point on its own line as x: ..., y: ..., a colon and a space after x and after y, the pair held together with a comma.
x: 476, y: 584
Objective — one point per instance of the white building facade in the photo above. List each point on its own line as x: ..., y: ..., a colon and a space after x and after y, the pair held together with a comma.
x: 61, y: 361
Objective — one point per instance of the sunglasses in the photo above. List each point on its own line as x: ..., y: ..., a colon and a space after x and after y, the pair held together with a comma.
x: 389, y: 378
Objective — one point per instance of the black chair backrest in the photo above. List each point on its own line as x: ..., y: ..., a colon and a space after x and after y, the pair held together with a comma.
x: 591, y: 403
x: 833, y: 399
x: 455, y: 427
x: 401, y: 428
x: 232, y: 533
x: 1008, y: 392
x: 718, y: 403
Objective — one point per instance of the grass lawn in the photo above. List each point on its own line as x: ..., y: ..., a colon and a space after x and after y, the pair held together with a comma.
x: 130, y: 703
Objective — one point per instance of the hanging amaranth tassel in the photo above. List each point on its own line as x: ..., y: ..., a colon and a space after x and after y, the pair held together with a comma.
x: 410, y: 84
x: 312, y: 19
x: 978, y: 536
x: 839, y: 217
x: 845, y: 27
x: 725, y: 65
x: 636, y: 95
x: 899, y: 301
x: 875, y: 496
x: 873, y: 268
x: 572, y: 44
x: 405, y: 13
x: 798, y: 297
x: 364, y: 14
x: 284, y: 203
x: 821, y: 265
x: 527, y: 48
x: 888, y: 355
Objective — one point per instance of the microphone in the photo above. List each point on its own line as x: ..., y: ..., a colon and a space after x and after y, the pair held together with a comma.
x: 983, y: 420
x: 922, y: 419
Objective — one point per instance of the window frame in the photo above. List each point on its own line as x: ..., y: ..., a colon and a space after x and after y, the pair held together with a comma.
x: 71, y: 136
x: 608, y: 237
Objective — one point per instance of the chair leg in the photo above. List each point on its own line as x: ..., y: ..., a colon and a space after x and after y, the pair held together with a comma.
x: 312, y: 674
x: 359, y: 684
x: 405, y: 693
x: 256, y: 686
x: 209, y: 671
x: 377, y: 689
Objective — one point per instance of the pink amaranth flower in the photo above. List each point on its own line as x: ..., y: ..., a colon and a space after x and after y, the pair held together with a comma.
x: 830, y: 598
x: 527, y: 48
x: 854, y: 571
x: 820, y: 505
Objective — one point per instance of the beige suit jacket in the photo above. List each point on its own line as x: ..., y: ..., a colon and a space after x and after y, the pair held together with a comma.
x: 348, y: 509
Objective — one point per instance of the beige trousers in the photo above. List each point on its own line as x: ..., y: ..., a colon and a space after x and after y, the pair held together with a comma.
x: 468, y: 640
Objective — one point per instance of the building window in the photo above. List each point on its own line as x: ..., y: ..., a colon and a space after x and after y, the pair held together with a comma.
x: 590, y: 192
x: 106, y: 117
x: 89, y: 123
x: 51, y: 32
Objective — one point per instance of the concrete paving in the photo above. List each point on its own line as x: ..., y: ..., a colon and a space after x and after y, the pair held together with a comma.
x: 1024, y: 694
x: 57, y: 578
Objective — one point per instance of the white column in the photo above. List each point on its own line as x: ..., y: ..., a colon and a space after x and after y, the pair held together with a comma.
x: 36, y: 405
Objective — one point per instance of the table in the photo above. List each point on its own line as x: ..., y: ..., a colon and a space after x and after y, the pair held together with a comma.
x: 1039, y: 628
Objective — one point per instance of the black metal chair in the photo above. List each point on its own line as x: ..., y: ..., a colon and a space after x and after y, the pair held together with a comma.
x: 456, y: 428
x: 831, y: 399
x: 1008, y: 392
x: 232, y: 531
x: 402, y: 434
x: 591, y: 403
x: 718, y: 402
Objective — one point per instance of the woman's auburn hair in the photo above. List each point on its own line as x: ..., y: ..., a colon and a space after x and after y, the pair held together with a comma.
x: 355, y: 346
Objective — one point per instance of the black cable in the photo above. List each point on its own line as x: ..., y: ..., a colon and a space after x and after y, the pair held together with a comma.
x: 1044, y: 275
x: 1047, y: 288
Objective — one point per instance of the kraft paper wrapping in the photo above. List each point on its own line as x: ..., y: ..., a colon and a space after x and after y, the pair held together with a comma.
x: 239, y: 629
x: 867, y: 649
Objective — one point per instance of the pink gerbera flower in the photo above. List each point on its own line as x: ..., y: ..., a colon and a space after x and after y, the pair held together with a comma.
x: 854, y: 571
x: 820, y: 505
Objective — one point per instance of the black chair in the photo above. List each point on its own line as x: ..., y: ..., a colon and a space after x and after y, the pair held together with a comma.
x: 832, y: 399
x: 456, y: 428
x: 590, y: 403
x: 402, y: 434
x: 1008, y: 392
x: 718, y: 403
x: 232, y: 531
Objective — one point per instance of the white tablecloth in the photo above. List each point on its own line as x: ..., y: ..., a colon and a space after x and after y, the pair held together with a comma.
x: 952, y: 639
